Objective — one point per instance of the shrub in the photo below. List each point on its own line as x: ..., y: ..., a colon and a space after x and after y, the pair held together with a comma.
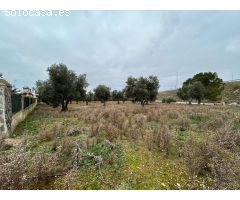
x: 46, y: 136
x: 184, y: 123
x: 162, y: 138
x: 111, y: 131
x: 149, y: 139
x: 205, y: 158
x: 168, y: 100
x: 225, y: 172
x: 212, y: 124
x: 173, y: 114
x: 192, y: 159
x: 13, y: 169
x: 139, y: 119
x: 228, y: 138
x: 236, y: 86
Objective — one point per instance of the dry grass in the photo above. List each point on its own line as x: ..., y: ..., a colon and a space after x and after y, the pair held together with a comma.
x: 203, y: 140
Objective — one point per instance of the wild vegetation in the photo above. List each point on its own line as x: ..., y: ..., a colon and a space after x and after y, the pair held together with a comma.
x: 124, y: 146
x: 231, y: 93
x: 132, y: 142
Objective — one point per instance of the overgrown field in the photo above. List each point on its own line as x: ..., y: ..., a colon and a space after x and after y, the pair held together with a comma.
x: 124, y: 146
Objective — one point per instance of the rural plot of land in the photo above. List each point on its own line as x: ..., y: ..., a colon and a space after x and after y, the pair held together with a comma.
x: 124, y: 146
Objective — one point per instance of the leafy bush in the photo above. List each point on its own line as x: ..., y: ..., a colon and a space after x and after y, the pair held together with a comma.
x: 168, y: 100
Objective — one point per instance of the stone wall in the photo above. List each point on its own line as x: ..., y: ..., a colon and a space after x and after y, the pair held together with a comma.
x: 5, y: 108
x: 8, y: 107
x: 8, y: 121
x: 2, y: 111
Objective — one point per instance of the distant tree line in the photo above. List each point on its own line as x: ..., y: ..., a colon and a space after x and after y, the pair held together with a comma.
x: 64, y: 86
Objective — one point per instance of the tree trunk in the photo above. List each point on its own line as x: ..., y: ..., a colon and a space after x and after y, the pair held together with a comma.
x: 86, y: 102
x: 65, y: 106
x: 199, y: 101
x: 104, y: 103
x: 118, y: 102
x: 190, y: 102
x: 62, y: 105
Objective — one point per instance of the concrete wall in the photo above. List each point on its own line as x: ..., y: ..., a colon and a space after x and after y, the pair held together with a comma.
x: 21, y: 115
x: 5, y: 108
x: 8, y: 107
x: 2, y: 112
x: 8, y: 121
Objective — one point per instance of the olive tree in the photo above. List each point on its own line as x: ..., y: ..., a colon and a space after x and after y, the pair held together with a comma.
x: 117, y: 96
x: 142, y: 89
x: 196, y: 91
x: 81, y: 86
x: 102, y: 93
x: 62, y: 86
x: 89, y: 97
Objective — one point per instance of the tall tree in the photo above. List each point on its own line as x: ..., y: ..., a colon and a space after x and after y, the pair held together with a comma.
x: 192, y: 91
x: 153, y: 87
x: 203, y: 85
x: 44, y: 92
x: 81, y: 86
x: 183, y: 94
x: 130, y: 88
x: 117, y: 96
x: 63, y: 82
x: 89, y: 97
x: 214, y: 85
x: 102, y: 93
x: 62, y: 86
x: 142, y: 89
x: 197, y: 91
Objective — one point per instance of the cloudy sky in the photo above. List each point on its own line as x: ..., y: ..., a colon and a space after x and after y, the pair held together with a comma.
x: 109, y: 46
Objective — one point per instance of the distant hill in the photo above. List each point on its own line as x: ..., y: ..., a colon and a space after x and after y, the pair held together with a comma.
x: 231, y: 93
x: 168, y: 94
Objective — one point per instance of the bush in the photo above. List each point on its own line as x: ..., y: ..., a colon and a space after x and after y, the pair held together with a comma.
x: 236, y: 86
x: 162, y: 138
x: 183, y: 123
x: 173, y: 114
x: 168, y: 100
x: 13, y: 169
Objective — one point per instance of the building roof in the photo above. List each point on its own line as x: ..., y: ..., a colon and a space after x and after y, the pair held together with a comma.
x: 4, y: 82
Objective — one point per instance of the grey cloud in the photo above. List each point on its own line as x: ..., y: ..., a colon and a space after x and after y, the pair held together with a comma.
x: 111, y: 45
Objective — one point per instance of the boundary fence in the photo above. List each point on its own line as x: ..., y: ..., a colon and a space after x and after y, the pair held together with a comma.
x: 21, y: 107
x: 20, y: 102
